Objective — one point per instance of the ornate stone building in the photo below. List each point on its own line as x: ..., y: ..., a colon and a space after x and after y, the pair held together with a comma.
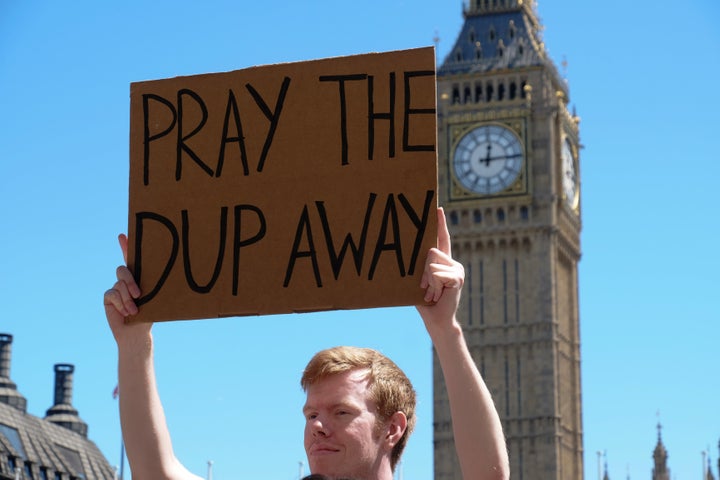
x: 660, y: 468
x: 55, y: 447
x: 509, y: 179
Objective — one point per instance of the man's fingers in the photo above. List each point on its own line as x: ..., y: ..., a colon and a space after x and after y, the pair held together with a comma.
x: 119, y: 298
x: 443, y: 233
x: 123, y: 240
x: 438, y: 277
x: 124, y: 275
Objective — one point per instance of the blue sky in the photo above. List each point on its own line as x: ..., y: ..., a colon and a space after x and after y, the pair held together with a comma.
x: 643, y: 78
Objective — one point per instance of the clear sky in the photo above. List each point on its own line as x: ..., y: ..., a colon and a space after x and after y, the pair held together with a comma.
x: 643, y: 77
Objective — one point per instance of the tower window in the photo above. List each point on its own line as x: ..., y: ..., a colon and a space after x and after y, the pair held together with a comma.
x: 477, y: 216
x: 492, y: 34
x: 501, y: 91
x: 524, y: 213
x: 458, y: 56
x: 467, y: 97
x: 478, y: 93
x: 456, y: 95
x: 513, y: 90
x: 454, y: 218
x: 472, y: 36
x: 488, y: 92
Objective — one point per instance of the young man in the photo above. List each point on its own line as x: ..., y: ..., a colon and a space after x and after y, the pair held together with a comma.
x: 357, y: 420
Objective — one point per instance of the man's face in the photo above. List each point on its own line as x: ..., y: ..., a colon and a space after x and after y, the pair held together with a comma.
x: 342, y: 438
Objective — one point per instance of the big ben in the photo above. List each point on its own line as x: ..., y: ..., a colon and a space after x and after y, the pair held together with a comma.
x: 509, y: 179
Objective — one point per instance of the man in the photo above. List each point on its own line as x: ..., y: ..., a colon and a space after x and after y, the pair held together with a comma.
x: 352, y: 430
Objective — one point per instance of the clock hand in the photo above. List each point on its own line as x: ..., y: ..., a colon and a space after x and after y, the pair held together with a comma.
x: 502, y: 157
x: 487, y: 158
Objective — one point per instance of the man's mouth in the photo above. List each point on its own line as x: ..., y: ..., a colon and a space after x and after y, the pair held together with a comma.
x: 323, y: 449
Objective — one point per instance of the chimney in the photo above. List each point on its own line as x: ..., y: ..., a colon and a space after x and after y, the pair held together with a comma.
x: 62, y: 412
x: 8, y: 390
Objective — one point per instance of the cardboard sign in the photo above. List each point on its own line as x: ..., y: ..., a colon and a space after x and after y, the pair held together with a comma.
x: 284, y: 188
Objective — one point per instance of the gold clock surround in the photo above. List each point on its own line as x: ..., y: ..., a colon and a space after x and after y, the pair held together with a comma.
x: 456, y: 132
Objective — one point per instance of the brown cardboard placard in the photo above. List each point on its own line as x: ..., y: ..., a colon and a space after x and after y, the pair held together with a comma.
x: 284, y: 188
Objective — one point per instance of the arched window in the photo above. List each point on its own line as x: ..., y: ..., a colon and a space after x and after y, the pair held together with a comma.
x: 513, y: 90
x: 478, y: 92
x: 488, y: 92
x: 500, y: 215
x: 456, y: 95
x: 477, y: 216
x: 501, y: 91
x: 524, y: 213
x: 467, y: 97
x: 454, y: 218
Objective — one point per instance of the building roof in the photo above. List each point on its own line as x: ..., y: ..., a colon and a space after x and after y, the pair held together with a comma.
x: 494, y: 41
x: 499, y: 35
x: 52, y: 448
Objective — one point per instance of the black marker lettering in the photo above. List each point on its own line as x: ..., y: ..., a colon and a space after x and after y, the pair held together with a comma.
x: 372, y: 116
x: 415, y: 111
x: 240, y: 139
x: 181, y: 137
x: 147, y: 138
x: 274, y: 117
x: 389, y: 216
x: 186, y: 252
x: 239, y: 242
x: 358, y: 251
x: 420, y: 224
x: 303, y: 225
x: 140, y: 217
x: 341, y: 79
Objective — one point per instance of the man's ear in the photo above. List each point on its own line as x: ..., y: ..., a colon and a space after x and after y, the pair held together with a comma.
x: 396, y: 426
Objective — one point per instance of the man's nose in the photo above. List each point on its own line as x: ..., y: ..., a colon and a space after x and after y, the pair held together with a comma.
x: 320, y: 427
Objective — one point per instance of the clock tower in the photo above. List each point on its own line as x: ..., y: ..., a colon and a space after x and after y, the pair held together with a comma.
x: 509, y: 182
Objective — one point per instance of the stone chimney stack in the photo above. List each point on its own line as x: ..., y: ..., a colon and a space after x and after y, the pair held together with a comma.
x: 8, y: 390
x: 63, y: 383
x: 62, y: 412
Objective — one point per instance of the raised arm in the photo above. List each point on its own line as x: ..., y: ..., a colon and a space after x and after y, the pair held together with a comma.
x: 479, y: 439
x: 145, y: 433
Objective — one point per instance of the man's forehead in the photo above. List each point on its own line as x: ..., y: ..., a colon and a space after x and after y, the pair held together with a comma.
x: 346, y: 387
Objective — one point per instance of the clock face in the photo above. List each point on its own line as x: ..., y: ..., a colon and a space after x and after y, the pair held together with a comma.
x: 569, y: 175
x: 488, y: 159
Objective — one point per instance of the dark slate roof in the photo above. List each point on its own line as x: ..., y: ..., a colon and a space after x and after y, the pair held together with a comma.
x: 484, y: 36
x: 26, y: 438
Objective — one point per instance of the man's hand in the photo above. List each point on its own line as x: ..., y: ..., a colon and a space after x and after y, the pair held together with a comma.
x: 120, y: 301
x: 442, y: 280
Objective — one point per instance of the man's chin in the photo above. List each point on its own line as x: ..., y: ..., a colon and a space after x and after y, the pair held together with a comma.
x: 328, y: 472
